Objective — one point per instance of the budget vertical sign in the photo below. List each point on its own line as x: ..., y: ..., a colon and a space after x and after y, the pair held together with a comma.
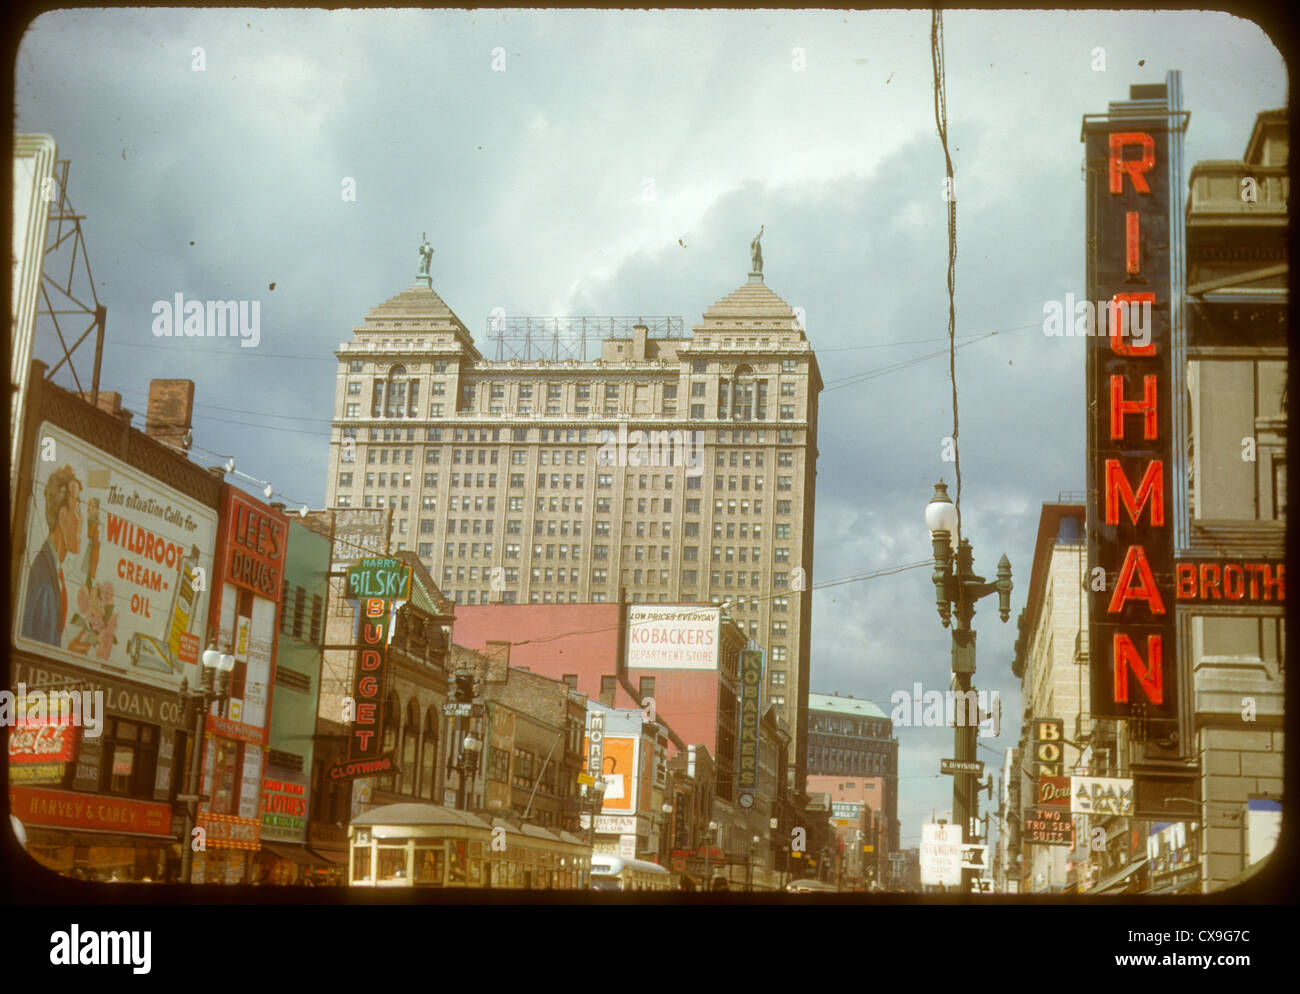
x: 375, y: 585
x: 1129, y: 396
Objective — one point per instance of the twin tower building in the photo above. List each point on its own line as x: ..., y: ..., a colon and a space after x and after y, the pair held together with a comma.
x: 674, y: 468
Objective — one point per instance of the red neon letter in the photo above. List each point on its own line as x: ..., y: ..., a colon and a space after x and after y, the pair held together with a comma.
x: 1133, y: 168
x: 1135, y: 561
x: 1117, y: 323
x: 1210, y: 582
x: 1234, y: 587
x: 1150, y: 674
x: 1120, y: 407
x: 370, y: 660
x: 1152, y: 488
x: 372, y: 633
x: 1186, y: 581
x: 1131, y: 231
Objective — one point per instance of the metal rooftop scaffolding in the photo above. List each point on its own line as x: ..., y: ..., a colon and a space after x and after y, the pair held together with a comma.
x: 557, y: 338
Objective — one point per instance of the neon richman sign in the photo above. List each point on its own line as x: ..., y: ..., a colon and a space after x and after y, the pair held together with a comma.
x: 376, y: 585
x: 1130, y: 422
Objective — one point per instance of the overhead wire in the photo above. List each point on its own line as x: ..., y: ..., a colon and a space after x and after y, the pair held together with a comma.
x: 950, y: 197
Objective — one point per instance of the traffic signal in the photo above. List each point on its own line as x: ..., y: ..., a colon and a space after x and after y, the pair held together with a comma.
x: 464, y: 688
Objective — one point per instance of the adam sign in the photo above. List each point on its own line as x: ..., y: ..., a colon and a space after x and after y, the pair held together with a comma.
x: 1130, y: 418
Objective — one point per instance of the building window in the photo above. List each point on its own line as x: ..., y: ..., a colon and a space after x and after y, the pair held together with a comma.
x: 499, y: 765
x: 129, y: 755
x: 1228, y: 401
x: 607, y: 691
x: 646, y: 688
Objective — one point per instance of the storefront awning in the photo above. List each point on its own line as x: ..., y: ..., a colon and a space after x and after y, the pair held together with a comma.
x: 330, y: 857
x: 1117, y: 880
x: 295, y: 854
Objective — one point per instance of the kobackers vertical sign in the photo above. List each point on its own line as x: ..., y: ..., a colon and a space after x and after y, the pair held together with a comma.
x: 1130, y: 398
x: 751, y: 716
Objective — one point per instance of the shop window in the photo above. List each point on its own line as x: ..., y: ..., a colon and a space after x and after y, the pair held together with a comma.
x: 391, y: 712
x: 430, y: 862
x: 392, y: 863
x: 225, y: 779
x: 410, y: 772
x: 429, y: 747
x: 361, y: 863
x: 129, y: 758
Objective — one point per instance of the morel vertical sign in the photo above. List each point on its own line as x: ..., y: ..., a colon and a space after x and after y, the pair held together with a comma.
x: 1130, y: 400
x: 751, y: 714
x: 376, y: 585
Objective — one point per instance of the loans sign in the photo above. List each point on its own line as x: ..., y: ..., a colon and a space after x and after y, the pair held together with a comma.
x: 1130, y: 401
x: 377, y: 586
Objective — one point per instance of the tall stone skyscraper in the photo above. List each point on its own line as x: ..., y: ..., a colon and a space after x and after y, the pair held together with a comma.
x: 531, y: 480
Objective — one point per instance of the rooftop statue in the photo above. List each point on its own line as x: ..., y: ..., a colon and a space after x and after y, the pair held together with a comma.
x: 756, y: 253
x: 426, y: 255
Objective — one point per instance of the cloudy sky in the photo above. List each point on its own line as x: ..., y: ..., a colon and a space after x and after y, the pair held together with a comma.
x: 607, y: 163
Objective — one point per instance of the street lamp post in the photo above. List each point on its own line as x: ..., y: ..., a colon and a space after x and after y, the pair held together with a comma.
x: 466, y: 766
x: 665, y: 847
x: 195, y: 705
x: 957, y: 586
x: 708, y: 856
x: 597, y: 794
x: 774, y: 824
x: 753, y: 847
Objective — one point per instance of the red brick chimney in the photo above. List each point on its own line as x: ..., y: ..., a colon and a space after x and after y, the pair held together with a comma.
x: 110, y: 402
x: 171, y: 407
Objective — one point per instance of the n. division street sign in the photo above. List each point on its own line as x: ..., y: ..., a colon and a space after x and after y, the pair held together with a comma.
x: 975, y: 766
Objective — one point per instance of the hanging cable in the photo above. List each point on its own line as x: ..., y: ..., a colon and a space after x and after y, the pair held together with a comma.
x: 950, y: 197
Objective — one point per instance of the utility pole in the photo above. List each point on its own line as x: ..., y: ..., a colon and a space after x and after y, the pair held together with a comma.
x: 958, y: 587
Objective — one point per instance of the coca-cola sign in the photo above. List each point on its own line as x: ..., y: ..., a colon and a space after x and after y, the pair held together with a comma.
x: 42, y: 743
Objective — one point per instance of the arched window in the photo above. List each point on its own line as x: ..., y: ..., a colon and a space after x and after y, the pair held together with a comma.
x: 428, y: 755
x: 410, y: 739
x: 392, y: 715
x: 742, y: 397
x: 395, y: 392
